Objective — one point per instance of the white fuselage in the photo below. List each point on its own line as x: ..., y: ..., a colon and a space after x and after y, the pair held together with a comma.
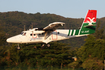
x: 32, y: 36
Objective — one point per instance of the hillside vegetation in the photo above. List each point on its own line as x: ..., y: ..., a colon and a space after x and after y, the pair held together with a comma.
x: 90, y: 53
x: 13, y: 23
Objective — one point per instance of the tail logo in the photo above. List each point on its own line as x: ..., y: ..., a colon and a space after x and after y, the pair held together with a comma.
x: 91, y: 20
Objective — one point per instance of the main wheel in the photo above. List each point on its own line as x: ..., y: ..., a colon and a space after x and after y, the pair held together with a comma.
x: 48, y: 45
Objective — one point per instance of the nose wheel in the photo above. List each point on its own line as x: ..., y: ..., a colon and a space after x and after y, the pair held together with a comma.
x: 18, y: 47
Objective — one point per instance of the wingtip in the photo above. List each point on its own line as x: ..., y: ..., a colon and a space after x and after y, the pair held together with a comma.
x: 62, y: 24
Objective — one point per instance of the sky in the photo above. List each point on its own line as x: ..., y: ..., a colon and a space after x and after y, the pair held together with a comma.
x: 65, y: 8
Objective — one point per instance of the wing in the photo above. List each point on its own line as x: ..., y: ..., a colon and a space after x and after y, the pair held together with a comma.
x: 53, y: 26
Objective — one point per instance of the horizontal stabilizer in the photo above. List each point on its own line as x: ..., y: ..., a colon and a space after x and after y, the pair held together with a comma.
x: 89, y: 26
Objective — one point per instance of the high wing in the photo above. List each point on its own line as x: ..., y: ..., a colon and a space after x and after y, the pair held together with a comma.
x: 53, y: 26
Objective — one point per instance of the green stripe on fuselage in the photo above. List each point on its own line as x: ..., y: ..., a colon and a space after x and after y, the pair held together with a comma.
x: 77, y: 31
x: 72, y: 32
x: 69, y: 33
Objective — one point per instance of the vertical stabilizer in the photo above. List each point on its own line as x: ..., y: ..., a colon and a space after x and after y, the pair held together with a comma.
x: 89, y: 23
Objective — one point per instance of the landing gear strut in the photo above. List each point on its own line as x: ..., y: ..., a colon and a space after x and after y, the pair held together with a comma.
x: 18, y: 47
x: 43, y: 45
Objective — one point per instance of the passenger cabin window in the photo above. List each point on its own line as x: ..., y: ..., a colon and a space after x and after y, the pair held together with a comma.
x: 32, y: 34
x: 41, y: 35
x: 36, y: 29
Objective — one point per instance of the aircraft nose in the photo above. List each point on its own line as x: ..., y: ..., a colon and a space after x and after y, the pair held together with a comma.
x: 15, y: 39
x: 9, y: 40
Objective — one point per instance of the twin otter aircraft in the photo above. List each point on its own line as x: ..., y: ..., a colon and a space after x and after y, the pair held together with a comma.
x: 51, y: 33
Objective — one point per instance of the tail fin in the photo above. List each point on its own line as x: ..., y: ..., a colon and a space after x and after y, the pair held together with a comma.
x: 89, y: 23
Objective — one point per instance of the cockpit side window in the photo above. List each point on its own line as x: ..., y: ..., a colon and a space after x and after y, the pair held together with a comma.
x: 23, y: 33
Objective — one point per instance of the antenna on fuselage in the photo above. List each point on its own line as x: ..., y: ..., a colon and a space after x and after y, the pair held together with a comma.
x: 32, y: 25
x: 24, y: 28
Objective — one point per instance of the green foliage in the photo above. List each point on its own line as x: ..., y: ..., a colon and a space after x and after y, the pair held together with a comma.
x: 93, y: 64
x: 92, y: 53
x: 35, y: 56
x: 99, y: 33
x: 73, y: 64
x: 92, y: 48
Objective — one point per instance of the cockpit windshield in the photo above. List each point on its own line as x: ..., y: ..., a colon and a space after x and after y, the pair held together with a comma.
x: 23, y: 33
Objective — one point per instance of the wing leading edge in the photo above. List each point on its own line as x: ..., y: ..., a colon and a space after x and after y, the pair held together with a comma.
x: 53, y: 26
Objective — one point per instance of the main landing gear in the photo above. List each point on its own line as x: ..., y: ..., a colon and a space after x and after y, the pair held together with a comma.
x: 18, y: 47
x: 43, y: 45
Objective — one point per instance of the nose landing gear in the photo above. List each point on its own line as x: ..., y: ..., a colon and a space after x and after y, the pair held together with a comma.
x: 18, y: 47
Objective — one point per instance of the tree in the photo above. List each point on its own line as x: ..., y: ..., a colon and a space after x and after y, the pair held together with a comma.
x: 99, y: 33
x: 93, y: 64
x: 73, y: 64
x: 91, y: 51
